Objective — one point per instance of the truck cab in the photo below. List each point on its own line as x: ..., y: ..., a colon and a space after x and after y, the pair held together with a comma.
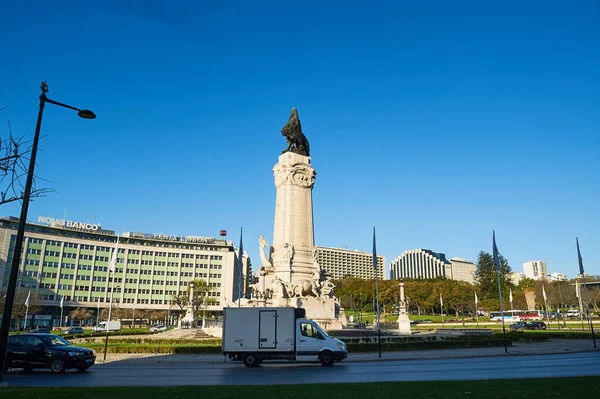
x: 256, y: 334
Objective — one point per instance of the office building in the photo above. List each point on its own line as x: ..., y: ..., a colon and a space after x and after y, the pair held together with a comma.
x: 420, y: 264
x: 462, y: 270
x: 69, y: 260
x: 535, y: 269
x: 341, y: 262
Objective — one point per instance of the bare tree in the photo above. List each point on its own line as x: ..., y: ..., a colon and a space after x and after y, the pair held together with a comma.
x: 19, y: 308
x: 81, y: 314
x: 14, y: 165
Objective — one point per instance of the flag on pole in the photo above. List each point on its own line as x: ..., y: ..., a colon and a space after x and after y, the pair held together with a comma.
x: 241, y: 265
x: 544, y: 293
x: 374, y: 253
x: 112, y: 265
x: 476, y: 301
x: 496, y: 255
x: 579, y: 257
x: 27, y: 300
x: 62, y: 299
x: 510, y: 298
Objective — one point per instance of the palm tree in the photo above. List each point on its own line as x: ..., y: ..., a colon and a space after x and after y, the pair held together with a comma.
x: 527, y: 285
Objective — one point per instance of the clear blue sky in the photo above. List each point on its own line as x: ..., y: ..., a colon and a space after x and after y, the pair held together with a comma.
x: 436, y: 122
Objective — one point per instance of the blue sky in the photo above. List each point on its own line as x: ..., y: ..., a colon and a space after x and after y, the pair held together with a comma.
x: 436, y: 122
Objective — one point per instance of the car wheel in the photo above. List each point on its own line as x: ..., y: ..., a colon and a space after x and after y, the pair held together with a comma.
x: 251, y: 359
x: 57, y: 365
x: 327, y: 359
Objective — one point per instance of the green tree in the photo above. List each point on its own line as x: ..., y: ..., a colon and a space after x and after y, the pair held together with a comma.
x: 486, y: 276
x: 201, y: 290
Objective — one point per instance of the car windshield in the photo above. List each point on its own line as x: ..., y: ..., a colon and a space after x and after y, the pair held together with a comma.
x: 55, y: 340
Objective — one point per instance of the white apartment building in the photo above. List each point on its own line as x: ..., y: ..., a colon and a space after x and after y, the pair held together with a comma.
x: 535, y: 269
x: 557, y: 277
x: 341, y: 262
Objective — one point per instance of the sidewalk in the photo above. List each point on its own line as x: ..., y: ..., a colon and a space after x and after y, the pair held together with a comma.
x: 557, y: 346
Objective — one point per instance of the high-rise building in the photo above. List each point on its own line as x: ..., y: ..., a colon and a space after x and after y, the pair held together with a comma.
x: 462, y: 270
x: 65, y: 259
x: 420, y: 264
x: 535, y: 269
x: 340, y: 262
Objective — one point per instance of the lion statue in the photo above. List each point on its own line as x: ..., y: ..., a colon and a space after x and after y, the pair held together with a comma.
x: 296, y: 140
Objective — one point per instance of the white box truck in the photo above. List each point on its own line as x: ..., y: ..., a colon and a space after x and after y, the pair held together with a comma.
x: 112, y: 326
x: 256, y: 334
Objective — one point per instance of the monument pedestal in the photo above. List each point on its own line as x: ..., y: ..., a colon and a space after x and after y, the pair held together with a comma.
x: 404, y: 324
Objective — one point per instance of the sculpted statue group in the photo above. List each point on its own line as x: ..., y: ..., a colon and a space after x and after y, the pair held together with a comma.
x: 296, y: 140
x: 319, y: 286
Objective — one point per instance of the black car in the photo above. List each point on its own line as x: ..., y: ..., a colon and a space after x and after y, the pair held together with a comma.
x: 74, y: 330
x: 535, y: 325
x: 519, y: 325
x: 32, y: 351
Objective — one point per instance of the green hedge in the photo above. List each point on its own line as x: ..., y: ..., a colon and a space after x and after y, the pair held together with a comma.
x: 214, y: 347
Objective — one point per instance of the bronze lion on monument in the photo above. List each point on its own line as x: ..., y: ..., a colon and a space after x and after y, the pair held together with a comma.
x: 296, y: 140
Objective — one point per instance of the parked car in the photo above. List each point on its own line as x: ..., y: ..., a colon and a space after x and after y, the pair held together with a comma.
x: 34, y: 351
x: 519, y: 325
x: 40, y: 330
x: 535, y: 325
x: 158, y: 328
x: 74, y: 330
x: 573, y: 313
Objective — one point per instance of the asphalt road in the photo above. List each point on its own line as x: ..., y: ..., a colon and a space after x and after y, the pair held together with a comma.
x: 115, y: 374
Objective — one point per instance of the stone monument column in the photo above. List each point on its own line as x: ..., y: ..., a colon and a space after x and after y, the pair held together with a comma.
x: 293, y: 236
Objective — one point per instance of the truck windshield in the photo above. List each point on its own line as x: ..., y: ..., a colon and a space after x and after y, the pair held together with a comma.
x: 319, y: 329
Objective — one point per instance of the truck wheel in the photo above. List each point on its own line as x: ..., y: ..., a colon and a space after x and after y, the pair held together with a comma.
x: 327, y: 359
x: 251, y: 359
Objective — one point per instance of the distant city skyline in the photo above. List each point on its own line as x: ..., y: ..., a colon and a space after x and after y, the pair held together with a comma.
x: 433, y: 122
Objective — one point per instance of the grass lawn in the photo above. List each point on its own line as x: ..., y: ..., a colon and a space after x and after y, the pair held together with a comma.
x: 573, y: 387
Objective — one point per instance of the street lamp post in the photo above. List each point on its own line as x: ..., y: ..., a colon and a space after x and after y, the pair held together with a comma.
x: 14, y: 270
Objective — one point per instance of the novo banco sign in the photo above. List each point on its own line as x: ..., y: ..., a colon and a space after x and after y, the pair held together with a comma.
x: 48, y: 221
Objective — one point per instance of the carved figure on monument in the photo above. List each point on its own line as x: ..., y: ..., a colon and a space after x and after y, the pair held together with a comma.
x: 296, y: 140
x: 278, y: 286
x: 327, y: 288
x: 263, y: 257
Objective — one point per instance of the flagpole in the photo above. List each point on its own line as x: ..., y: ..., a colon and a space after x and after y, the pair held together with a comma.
x: 476, y: 311
x: 112, y: 268
x: 587, y: 299
x: 442, y: 310
x: 241, y: 264
x: 377, y: 293
x: 546, y: 305
x: 61, y: 311
x: 26, y: 310
x: 498, y: 270
x: 578, y: 293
